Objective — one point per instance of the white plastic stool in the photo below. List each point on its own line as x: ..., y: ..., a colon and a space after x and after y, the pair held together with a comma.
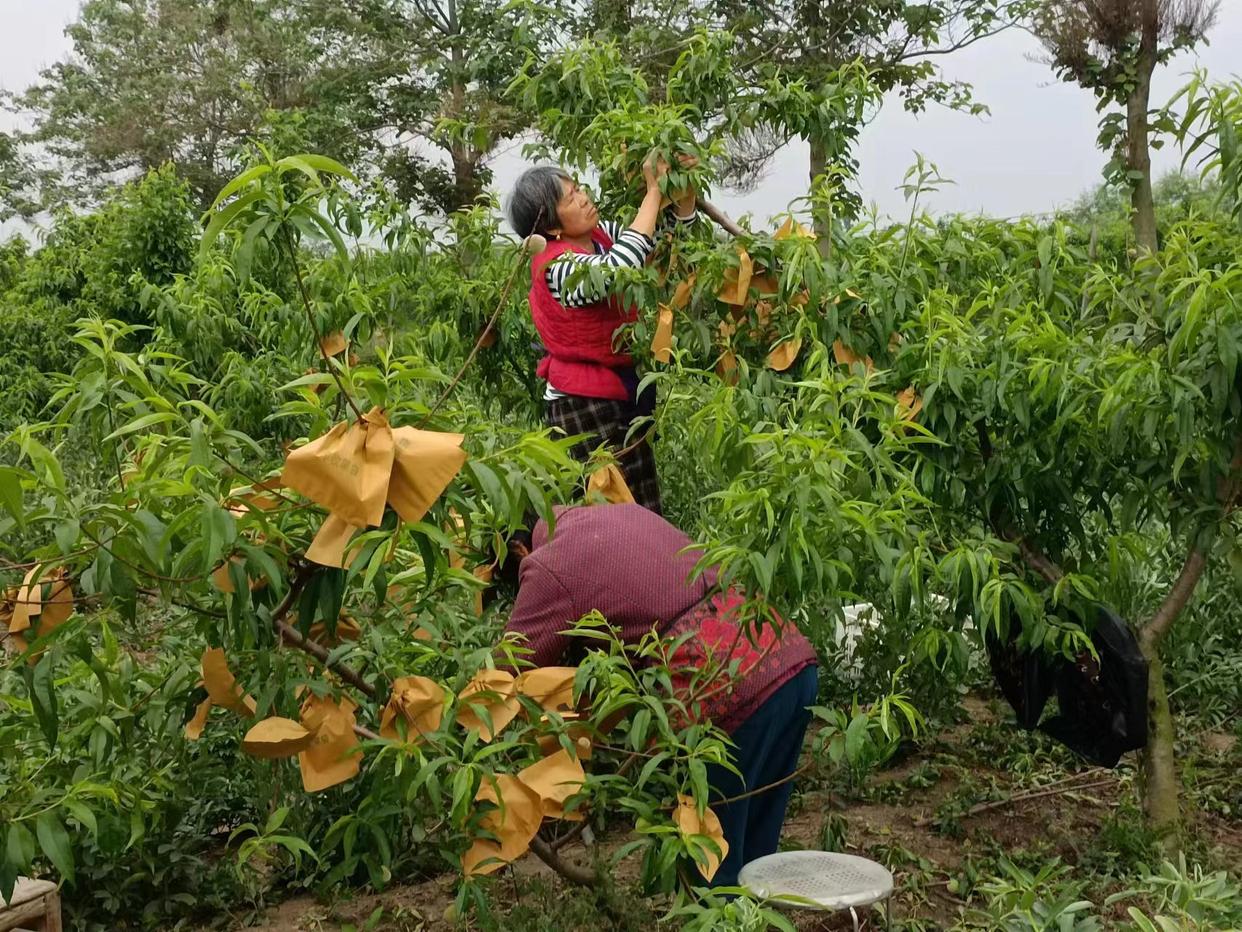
x: 820, y: 880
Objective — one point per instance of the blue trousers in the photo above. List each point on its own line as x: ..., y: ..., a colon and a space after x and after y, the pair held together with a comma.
x: 768, y: 745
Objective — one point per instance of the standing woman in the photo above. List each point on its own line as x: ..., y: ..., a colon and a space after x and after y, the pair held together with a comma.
x: 592, y: 384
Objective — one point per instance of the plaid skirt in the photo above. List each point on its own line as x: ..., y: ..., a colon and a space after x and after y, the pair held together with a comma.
x: 608, y: 422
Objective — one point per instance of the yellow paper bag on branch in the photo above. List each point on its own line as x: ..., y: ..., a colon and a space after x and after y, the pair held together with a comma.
x: 609, y: 482
x: 194, y: 727
x: 784, y: 355
x: 909, y: 403
x: 58, y: 603
x: 514, y: 823
x: 662, y: 340
x: 579, y: 734
x: 333, y: 344
x: 737, y: 280
x: 789, y: 228
x: 330, y: 758
x: 276, y: 737
x: 347, y: 469
x: 493, y: 691
x: 765, y: 284
x: 222, y: 579
x: 484, y: 573
x: 28, y: 602
x: 681, y: 294
x: 419, y: 701
x: 347, y: 629
x: 222, y: 686
x: 256, y: 496
x: 551, y: 687
x: 686, y: 818
x: 847, y: 357
x: 426, y: 462
x: 555, y: 778
x: 332, y: 541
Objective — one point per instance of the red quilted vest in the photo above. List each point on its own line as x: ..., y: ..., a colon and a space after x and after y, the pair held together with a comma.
x: 582, y: 359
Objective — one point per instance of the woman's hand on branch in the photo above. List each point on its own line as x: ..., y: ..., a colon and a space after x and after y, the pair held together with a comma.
x: 654, y: 168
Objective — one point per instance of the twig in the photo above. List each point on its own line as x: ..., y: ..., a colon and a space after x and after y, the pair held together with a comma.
x: 478, y: 343
x: 150, y: 574
x: 310, y: 316
x: 255, y: 483
x: 763, y: 789
x: 1057, y: 790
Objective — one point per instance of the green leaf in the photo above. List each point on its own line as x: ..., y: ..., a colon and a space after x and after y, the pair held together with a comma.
x: 54, y: 841
x: 85, y: 817
x: 324, y: 164
x: 11, y: 494
x: 19, y: 848
x: 263, y: 560
x: 42, y: 693
x: 294, y: 163
x: 223, y: 217
x: 143, y: 423
x: 856, y: 737
x: 200, y: 449
x: 330, y: 231
x: 245, y: 178
x: 66, y: 535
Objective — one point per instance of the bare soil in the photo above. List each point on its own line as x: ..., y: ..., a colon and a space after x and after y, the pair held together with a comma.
x: 914, y: 817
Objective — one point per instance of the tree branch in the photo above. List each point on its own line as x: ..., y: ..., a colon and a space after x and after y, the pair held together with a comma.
x: 954, y: 47
x: 574, y: 873
x: 1183, y: 588
x: 714, y: 213
x: 321, y: 653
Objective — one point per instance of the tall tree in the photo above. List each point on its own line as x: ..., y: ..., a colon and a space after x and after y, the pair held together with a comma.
x: 1112, y: 47
x: 809, y: 43
x: 193, y: 82
x: 444, y: 96
x: 190, y: 82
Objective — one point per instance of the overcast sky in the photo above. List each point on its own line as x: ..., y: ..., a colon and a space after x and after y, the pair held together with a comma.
x: 1035, y: 152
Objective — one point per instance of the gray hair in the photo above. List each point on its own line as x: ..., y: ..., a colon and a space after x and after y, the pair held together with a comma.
x: 534, y: 199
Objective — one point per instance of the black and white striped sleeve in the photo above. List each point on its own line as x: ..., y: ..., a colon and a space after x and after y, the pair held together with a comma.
x: 630, y: 249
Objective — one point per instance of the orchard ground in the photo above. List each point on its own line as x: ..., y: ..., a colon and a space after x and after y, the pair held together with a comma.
x: 1039, y: 805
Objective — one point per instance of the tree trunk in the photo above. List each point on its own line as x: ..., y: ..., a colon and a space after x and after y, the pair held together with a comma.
x: 1160, y: 782
x: 1138, y: 153
x: 821, y: 213
x: 1161, y: 785
x: 466, y: 184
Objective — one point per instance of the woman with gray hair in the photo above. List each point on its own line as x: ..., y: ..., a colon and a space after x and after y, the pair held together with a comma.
x: 592, y: 384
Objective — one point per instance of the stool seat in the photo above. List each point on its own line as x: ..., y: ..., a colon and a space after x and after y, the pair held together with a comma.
x: 817, y: 879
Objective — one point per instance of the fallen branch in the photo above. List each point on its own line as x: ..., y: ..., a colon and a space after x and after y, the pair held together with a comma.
x: 1061, y: 786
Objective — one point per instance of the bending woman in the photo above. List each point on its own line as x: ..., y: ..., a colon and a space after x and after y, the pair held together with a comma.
x: 592, y: 384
